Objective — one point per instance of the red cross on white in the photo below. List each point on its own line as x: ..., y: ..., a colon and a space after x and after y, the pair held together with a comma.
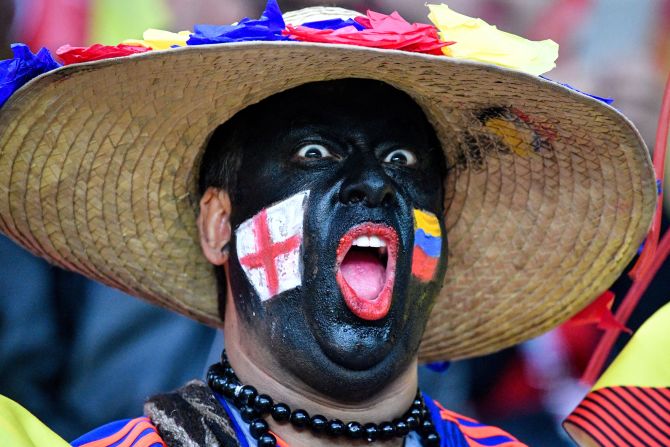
x: 268, y: 246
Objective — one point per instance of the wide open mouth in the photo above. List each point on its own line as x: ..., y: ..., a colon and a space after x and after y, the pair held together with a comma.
x: 366, y: 259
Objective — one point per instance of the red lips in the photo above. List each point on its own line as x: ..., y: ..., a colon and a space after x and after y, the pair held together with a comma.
x: 366, y: 261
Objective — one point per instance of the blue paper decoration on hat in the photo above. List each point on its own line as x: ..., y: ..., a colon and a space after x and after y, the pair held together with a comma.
x: 23, y: 67
x: 268, y: 27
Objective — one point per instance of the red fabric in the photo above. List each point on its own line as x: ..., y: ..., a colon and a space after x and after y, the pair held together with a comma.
x: 477, y: 434
x: 390, y: 32
x: 599, y: 312
x: 131, y: 435
x: 73, y: 55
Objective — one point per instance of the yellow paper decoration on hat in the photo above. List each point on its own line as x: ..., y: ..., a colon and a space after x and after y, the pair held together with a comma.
x: 160, y: 40
x: 19, y: 428
x: 478, y: 41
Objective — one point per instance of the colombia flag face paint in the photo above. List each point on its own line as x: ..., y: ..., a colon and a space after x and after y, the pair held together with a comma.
x: 427, y: 245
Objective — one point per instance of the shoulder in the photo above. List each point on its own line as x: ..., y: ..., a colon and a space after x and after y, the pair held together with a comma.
x: 138, y: 431
x: 474, y: 433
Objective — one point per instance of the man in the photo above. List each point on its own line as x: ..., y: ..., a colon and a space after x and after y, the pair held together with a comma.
x: 327, y: 181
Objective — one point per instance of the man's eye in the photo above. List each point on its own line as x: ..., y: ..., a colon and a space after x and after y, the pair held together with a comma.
x: 312, y: 151
x: 401, y: 157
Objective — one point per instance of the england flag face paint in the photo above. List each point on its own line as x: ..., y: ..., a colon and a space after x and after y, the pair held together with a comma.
x: 268, y: 246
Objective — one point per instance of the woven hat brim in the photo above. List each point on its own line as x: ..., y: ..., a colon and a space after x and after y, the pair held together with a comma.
x: 99, y: 165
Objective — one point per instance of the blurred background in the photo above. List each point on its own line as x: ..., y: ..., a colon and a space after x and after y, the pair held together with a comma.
x: 78, y: 354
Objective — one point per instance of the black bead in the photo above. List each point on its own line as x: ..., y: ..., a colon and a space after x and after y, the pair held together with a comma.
x: 401, y: 427
x: 299, y: 418
x: 386, y: 430
x: 218, y: 384
x: 258, y: 428
x: 371, y: 432
x: 214, y: 371
x: 418, y: 402
x: 267, y: 440
x: 426, y: 427
x: 318, y: 423
x: 416, y: 412
x: 263, y: 404
x: 354, y: 430
x: 335, y: 427
x: 281, y: 412
x: 247, y: 394
x: 412, y: 422
x: 425, y: 414
x: 248, y: 414
x: 229, y: 390
x: 229, y: 372
x: 430, y: 440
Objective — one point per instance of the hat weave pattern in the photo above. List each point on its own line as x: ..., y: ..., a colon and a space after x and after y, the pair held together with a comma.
x: 548, y: 195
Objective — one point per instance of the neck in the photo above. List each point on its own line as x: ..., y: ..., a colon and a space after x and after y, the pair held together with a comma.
x: 390, y: 403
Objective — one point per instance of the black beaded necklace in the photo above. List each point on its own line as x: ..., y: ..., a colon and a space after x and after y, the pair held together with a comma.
x: 253, y: 407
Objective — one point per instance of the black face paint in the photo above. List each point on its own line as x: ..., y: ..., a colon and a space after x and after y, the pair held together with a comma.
x: 351, y: 144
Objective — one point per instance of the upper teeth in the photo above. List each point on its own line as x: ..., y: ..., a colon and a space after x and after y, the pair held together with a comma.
x: 369, y: 241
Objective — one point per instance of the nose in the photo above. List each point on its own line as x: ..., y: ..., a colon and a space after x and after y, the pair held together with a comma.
x: 368, y: 185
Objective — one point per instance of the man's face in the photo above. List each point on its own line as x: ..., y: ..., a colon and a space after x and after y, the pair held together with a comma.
x: 337, y: 255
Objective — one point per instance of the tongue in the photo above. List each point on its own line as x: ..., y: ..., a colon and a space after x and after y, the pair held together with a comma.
x: 364, y: 273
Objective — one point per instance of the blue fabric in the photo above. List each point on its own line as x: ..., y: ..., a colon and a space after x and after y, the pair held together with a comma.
x: 23, y: 67
x: 334, y: 24
x: 100, y: 432
x: 430, y: 245
x: 238, y: 430
x: 268, y: 27
x: 111, y: 429
x: 493, y: 440
x: 470, y: 423
x: 608, y: 101
x: 450, y: 434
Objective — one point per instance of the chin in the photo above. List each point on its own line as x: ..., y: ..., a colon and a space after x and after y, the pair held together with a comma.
x: 338, y: 354
x: 338, y: 380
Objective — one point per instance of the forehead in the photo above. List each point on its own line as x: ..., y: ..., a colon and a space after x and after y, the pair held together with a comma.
x: 342, y: 106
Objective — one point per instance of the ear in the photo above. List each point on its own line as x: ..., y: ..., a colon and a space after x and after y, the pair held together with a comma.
x: 214, y: 225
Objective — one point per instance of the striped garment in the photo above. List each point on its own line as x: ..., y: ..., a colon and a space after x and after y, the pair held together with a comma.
x: 138, y: 432
x: 475, y: 434
x: 454, y: 430
x: 630, y: 403
x: 625, y: 416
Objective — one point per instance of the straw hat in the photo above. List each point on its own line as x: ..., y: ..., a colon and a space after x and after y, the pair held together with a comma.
x: 548, y: 197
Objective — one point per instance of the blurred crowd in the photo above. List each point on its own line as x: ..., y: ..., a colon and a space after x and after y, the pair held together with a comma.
x: 78, y: 354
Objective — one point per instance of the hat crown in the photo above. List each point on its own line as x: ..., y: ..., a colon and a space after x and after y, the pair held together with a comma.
x: 318, y: 13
